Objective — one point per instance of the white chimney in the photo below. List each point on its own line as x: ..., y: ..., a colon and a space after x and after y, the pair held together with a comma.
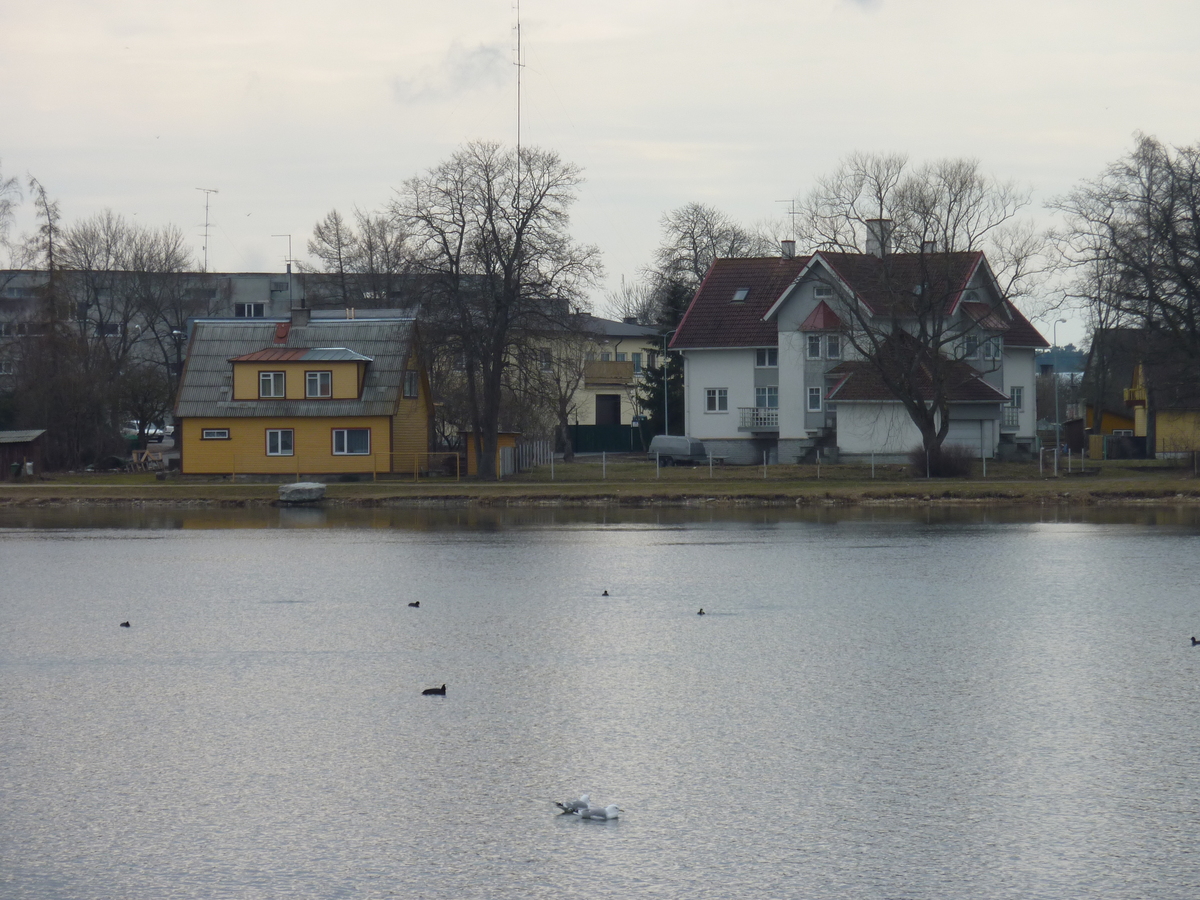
x: 788, y: 249
x: 879, y: 236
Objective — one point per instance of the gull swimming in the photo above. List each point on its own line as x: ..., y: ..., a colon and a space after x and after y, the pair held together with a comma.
x: 575, y: 806
x: 612, y: 811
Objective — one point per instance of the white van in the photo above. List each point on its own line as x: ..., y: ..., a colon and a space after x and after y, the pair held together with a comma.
x: 677, y: 449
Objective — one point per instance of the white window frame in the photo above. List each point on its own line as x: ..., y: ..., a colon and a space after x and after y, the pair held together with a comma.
x: 271, y: 394
x: 249, y: 310
x: 971, y: 347
x: 341, y: 442
x: 314, y: 377
x: 766, y: 358
x: 815, y: 393
x: 764, y: 395
x: 812, y: 344
x: 822, y: 292
x: 637, y: 363
x: 1016, y: 396
x: 833, y: 346
x: 214, y: 434
x: 276, y: 436
x: 992, y: 348
x: 716, y: 400
x: 412, y: 384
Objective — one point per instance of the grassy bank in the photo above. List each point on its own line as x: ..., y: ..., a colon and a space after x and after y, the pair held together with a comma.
x: 636, y: 482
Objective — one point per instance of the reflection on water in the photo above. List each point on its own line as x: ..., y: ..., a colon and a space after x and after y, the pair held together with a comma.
x: 436, y: 518
x: 933, y: 703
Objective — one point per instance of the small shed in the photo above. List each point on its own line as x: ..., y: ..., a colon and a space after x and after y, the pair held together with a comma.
x: 20, y: 453
x: 507, y: 440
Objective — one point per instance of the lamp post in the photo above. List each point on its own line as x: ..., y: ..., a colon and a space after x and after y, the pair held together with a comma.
x: 666, y: 386
x: 1054, y: 374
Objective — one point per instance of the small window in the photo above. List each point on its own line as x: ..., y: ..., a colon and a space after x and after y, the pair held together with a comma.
x: 822, y: 292
x: 833, y: 346
x: 249, y: 310
x: 411, y: 384
x: 766, y: 357
x: 1016, y: 397
x: 814, y: 399
x: 271, y: 385
x: 1122, y: 432
x: 991, y: 348
x: 279, y: 442
x: 318, y: 384
x: 971, y: 347
x: 740, y: 295
x: 545, y: 363
x: 621, y: 357
x: 766, y: 397
x: 605, y: 356
x: 214, y: 434
x: 351, y: 441
x: 814, y: 346
x: 716, y: 400
x: 108, y: 329
x: 279, y: 285
x: 637, y: 363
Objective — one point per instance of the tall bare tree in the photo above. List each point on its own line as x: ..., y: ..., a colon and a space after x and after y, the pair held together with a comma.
x: 1139, y: 221
x: 910, y: 235
x: 498, y: 265
x: 365, y: 263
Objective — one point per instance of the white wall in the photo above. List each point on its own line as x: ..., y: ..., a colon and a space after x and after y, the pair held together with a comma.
x: 730, y: 369
x: 883, y: 428
x: 1020, y: 368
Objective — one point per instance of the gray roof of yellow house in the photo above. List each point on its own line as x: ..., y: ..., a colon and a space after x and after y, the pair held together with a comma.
x: 383, y: 343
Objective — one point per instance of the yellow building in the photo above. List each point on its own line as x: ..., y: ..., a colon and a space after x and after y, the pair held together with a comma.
x: 1166, y: 409
x: 319, y: 393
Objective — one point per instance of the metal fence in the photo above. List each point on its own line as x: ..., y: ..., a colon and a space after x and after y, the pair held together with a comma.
x: 524, y: 457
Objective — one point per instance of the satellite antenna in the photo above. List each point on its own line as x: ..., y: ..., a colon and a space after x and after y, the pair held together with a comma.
x: 207, y: 193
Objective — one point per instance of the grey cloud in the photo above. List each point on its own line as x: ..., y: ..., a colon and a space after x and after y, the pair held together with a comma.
x: 462, y: 70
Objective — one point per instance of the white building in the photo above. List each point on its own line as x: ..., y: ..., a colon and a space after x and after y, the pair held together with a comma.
x: 777, y: 356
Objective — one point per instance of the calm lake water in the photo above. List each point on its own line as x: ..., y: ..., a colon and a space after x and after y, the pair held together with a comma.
x: 988, y: 704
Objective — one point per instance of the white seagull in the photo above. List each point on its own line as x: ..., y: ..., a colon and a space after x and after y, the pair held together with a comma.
x: 595, y: 812
x: 575, y: 806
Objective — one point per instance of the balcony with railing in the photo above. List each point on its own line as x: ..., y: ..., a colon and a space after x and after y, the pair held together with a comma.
x: 1012, y: 418
x: 611, y: 372
x: 758, y: 418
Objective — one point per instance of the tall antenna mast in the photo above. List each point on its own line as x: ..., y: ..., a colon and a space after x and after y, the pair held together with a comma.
x: 520, y: 64
x: 207, y: 193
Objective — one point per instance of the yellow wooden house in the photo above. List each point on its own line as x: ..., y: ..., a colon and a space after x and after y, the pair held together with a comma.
x: 320, y: 393
x: 1166, y: 409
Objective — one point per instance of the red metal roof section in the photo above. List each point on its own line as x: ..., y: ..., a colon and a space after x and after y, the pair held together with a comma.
x: 713, y: 319
x: 273, y: 354
x: 821, y: 319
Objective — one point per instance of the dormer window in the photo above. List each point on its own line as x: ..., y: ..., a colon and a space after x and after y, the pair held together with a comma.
x: 740, y: 295
x: 823, y: 292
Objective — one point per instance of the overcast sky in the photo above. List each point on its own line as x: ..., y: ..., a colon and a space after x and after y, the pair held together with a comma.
x: 292, y: 109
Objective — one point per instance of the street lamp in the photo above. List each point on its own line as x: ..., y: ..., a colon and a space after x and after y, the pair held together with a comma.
x: 1054, y: 374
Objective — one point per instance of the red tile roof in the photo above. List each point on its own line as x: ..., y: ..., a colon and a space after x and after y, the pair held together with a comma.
x: 859, y: 381
x: 714, y: 319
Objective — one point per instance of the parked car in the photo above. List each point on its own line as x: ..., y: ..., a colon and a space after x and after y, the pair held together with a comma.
x: 154, y: 433
x: 677, y: 449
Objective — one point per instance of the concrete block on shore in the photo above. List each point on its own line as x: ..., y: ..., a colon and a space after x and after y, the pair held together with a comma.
x: 301, y: 492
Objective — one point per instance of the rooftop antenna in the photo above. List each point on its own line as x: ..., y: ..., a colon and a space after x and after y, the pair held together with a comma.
x: 288, y: 260
x: 791, y: 214
x: 207, y: 193
x: 520, y: 64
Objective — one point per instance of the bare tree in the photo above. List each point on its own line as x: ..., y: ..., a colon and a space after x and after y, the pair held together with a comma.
x: 907, y: 239
x: 365, y: 263
x: 498, y: 265
x: 1139, y: 222
x: 692, y: 237
x: 552, y: 375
